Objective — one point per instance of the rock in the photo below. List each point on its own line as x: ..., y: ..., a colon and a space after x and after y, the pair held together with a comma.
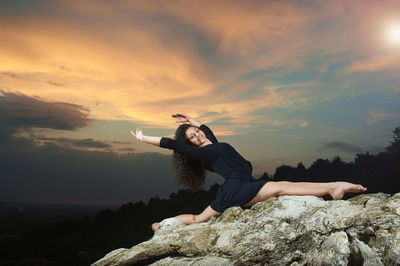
x: 288, y: 230
x: 169, y: 223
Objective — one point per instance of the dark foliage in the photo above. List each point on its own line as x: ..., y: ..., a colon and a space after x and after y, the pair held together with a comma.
x: 83, y: 241
x: 264, y: 176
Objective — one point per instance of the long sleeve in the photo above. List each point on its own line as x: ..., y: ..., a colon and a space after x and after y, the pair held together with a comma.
x: 193, y: 152
x: 209, y: 134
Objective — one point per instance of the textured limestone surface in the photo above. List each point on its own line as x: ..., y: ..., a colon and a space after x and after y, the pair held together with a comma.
x: 287, y: 230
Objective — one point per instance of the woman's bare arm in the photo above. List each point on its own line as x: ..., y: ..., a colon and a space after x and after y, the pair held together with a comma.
x: 185, y: 118
x: 148, y: 139
x: 156, y: 140
x: 194, y: 122
x: 152, y: 140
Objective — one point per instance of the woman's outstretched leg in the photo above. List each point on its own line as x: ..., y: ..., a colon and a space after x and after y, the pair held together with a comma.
x: 280, y: 188
x: 335, y: 189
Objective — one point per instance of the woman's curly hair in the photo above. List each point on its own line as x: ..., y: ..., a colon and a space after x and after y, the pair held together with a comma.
x: 188, y: 172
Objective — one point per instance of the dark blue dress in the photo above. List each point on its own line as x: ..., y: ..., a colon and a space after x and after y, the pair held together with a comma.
x: 220, y: 157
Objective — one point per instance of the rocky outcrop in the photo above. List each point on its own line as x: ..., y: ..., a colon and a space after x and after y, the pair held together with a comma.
x: 288, y: 230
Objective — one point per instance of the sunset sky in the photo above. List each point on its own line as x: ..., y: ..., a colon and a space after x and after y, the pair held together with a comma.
x: 281, y: 81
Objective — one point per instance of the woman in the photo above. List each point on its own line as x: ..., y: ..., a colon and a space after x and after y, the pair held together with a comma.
x: 196, y: 149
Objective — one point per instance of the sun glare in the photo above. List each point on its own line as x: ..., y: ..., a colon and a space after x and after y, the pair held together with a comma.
x: 393, y: 34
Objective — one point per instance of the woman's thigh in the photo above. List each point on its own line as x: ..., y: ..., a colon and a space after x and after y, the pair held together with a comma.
x: 269, y: 190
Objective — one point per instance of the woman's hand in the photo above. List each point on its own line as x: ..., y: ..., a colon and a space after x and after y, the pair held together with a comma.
x: 182, y: 118
x: 156, y: 141
x: 139, y: 134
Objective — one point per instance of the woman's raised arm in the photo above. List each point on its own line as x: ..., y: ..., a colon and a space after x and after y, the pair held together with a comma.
x: 148, y: 139
x: 185, y: 118
x: 196, y: 153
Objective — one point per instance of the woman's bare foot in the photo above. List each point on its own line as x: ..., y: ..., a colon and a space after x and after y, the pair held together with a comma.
x: 154, y: 226
x: 340, y: 188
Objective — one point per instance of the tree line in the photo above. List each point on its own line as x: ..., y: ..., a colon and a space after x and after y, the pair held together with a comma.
x: 379, y: 173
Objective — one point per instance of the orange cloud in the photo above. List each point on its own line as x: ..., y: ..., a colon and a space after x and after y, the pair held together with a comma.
x: 240, y: 24
x: 142, y: 61
x: 137, y: 77
x: 228, y: 24
x: 114, y: 82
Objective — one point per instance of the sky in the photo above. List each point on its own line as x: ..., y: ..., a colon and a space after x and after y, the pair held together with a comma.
x: 281, y: 81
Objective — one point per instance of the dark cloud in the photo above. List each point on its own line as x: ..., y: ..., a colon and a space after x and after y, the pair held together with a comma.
x: 90, y: 143
x: 122, y: 142
x: 20, y: 111
x: 22, y: 7
x: 341, y: 146
x: 54, y: 173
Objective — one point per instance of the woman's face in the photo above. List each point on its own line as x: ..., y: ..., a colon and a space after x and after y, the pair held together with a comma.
x: 195, y: 136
